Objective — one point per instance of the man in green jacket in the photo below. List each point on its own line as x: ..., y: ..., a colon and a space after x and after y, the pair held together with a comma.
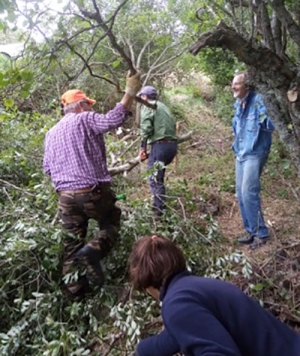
x: 158, y: 128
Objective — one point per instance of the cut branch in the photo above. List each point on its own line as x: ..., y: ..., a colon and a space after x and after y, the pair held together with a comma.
x: 129, y: 165
x: 293, y: 95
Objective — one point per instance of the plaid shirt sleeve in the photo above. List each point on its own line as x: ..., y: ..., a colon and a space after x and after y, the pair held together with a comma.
x: 102, y: 123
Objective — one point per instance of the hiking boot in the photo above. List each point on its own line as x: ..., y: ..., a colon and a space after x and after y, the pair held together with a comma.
x: 90, y: 258
x: 246, y: 240
x: 258, y: 242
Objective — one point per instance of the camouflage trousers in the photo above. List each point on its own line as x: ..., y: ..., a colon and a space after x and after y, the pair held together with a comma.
x: 75, y: 210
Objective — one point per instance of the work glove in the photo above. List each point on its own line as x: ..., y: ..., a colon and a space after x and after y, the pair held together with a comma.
x: 133, y: 84
x: 143, y: 154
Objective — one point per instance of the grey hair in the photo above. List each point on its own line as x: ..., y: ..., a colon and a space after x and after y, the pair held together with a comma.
x: 246, y: 77
x: 75, y: 107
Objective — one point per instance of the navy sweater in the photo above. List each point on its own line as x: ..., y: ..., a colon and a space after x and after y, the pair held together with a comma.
x: 209, y: 317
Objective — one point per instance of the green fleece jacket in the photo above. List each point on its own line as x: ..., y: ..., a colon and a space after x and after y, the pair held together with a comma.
x: 157, y: 124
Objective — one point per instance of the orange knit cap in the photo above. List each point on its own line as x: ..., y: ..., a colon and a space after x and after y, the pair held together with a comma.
x: 73, y: 95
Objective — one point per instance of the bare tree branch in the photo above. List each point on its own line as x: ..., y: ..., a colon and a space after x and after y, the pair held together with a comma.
x: 265, y: 25
x: 142, y: 51
x: 154, y: 67
x: 131, y: 49
x: 276, y: 26
x: 108, y: 30
x: 286, y: 18
x: 88, y: 67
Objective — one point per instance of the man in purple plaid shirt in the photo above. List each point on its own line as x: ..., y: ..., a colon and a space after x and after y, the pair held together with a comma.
x: 75, y: 159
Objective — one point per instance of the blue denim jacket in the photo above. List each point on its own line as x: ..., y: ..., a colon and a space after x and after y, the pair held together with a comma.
x: 252, y: 128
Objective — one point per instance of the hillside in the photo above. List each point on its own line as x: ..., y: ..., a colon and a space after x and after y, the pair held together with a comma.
x: 206, y: 165
x: 203, y: 217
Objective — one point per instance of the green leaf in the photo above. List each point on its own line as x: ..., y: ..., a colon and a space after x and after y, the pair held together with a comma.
x: 116, y: 63
x: 286, y: 164
x: 258, y: 287
x: 26, y: 75
x: 8, y: 103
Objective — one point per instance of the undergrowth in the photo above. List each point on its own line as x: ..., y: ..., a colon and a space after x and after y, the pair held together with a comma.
x: 35, y: 317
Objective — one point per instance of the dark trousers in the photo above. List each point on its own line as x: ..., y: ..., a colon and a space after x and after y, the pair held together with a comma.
x: 161, y: 151
x: 75, y: 210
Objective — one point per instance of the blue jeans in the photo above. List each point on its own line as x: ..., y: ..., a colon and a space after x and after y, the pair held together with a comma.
x: 162, y: 151
x: 248, y: 174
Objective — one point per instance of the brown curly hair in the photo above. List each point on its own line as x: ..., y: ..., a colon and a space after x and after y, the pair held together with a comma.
x: 153, y: 260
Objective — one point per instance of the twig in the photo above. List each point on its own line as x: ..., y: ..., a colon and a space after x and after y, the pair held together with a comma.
x: 292, y: 189
x: 231, y: 210
x: 9, y: 198
x: 182, y: 208
x: 130, y: 135
x: 194, y: 144
x: 130, y: 146
x: 15, y: 187
x: 111, y: 344
x: 53, y: 222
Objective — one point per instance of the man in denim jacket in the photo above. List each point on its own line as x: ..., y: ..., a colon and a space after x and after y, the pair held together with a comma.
x: 252, y: 129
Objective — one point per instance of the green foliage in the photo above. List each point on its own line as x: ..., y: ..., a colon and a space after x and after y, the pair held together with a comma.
x: 229, y: 265
x: 180, y: 97
x: 5, y: 63
x: 279, y: 162
x: 21, y: 152
x: 223, y: 104
x: 218, y: 64
x: 78, y: 54
x: 36, y: 319
x: 178, y: 112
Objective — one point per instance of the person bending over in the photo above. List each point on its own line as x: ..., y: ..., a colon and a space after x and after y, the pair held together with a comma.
x: 202, y: 316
